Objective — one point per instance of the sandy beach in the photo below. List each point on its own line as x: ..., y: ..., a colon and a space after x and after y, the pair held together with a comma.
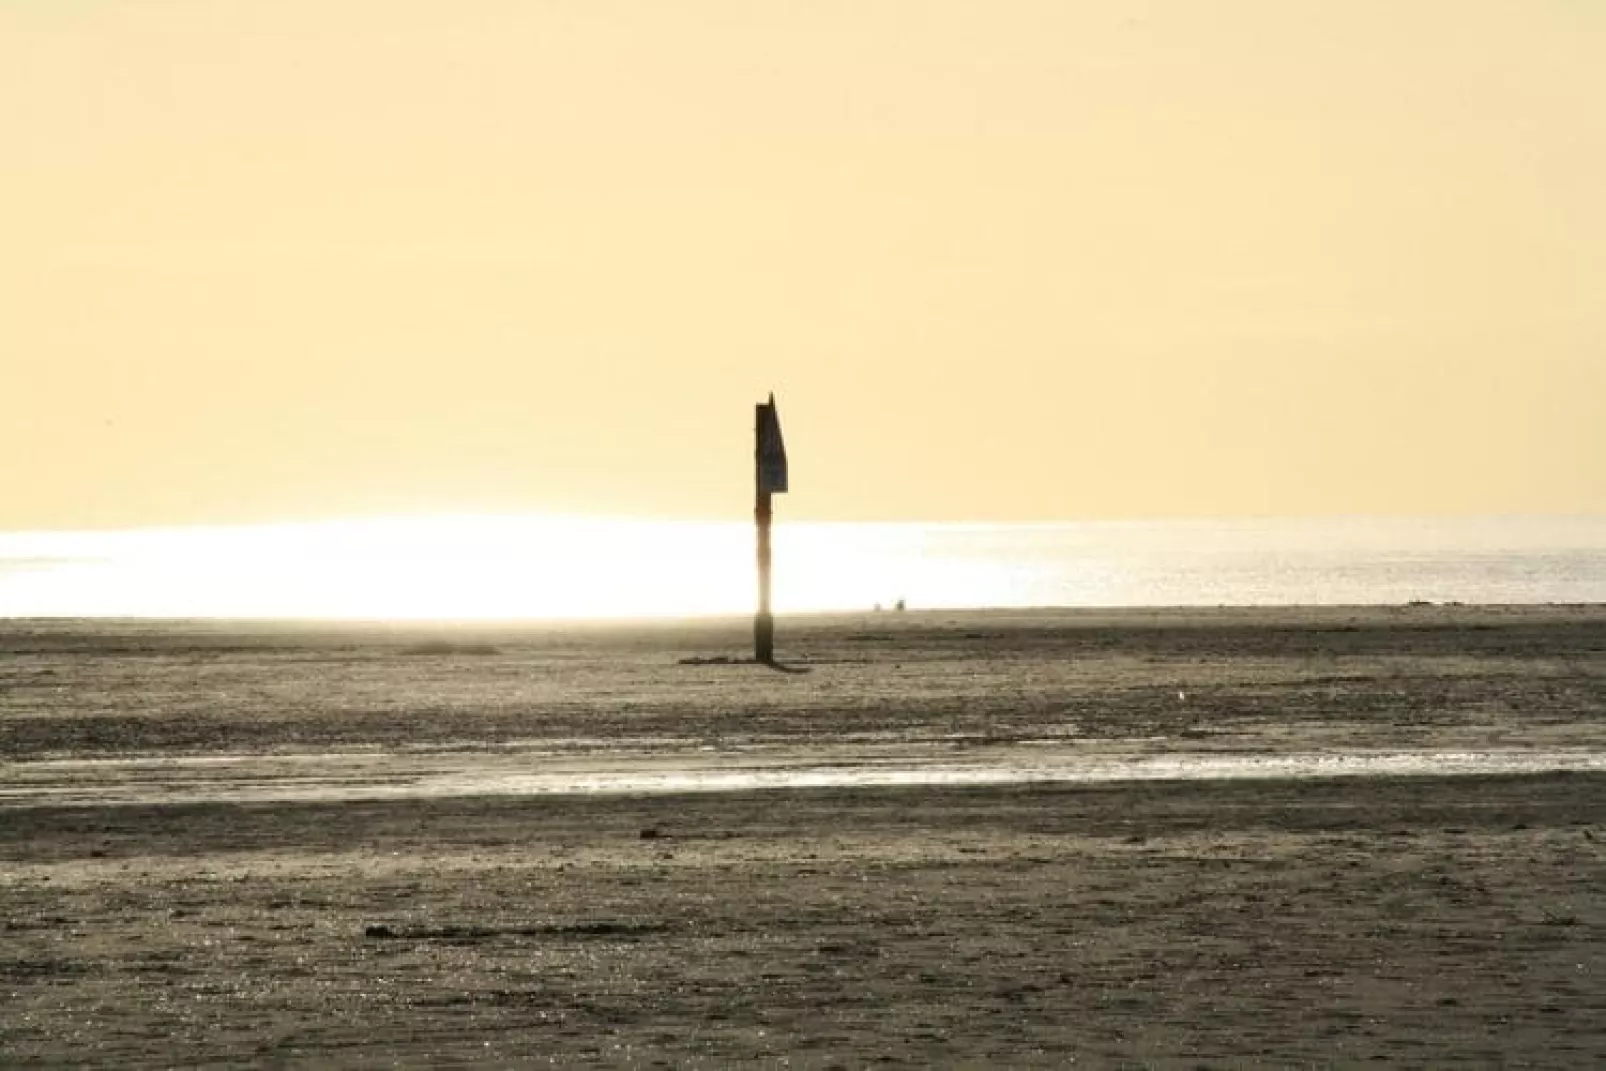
x: 1155, y: 838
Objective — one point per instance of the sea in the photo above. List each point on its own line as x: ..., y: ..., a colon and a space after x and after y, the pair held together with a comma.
x: 546, y: 568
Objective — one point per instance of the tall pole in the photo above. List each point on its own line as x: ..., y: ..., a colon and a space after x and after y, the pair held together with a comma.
x: 763, y: 620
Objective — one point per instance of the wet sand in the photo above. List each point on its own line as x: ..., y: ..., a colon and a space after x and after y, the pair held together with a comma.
x: 317, y: 846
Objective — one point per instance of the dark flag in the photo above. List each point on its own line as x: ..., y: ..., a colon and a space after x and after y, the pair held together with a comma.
x: 771, y: 450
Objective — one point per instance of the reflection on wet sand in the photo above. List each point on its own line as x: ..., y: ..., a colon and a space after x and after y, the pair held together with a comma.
x: 357, y: 776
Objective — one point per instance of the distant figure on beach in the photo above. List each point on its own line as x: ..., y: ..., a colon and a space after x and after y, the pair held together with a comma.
x: 898, y: 606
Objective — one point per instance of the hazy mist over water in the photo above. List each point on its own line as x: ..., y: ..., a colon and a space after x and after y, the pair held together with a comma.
x: 541, y: 567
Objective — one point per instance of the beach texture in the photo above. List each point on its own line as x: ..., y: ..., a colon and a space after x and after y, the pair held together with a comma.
x: 1153, y: 838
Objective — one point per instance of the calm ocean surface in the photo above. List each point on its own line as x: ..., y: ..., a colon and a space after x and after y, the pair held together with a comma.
x: 513, y: 567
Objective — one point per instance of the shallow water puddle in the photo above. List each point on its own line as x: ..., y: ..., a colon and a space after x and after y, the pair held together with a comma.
x: 378, y: 776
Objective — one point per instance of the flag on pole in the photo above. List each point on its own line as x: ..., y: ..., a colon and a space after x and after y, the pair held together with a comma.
x: 771, y: 450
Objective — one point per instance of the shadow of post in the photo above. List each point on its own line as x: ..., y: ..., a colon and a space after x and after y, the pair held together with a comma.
x: 725, y: 660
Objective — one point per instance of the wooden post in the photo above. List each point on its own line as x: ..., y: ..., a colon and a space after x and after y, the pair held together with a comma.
x: 763, y: 620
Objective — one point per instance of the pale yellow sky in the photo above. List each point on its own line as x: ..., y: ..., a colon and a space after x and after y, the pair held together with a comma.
x: 1019, y: 260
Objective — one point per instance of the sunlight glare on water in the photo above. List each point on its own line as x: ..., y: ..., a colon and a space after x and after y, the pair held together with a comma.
x: 463, y: 568
x: 524, y: 567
